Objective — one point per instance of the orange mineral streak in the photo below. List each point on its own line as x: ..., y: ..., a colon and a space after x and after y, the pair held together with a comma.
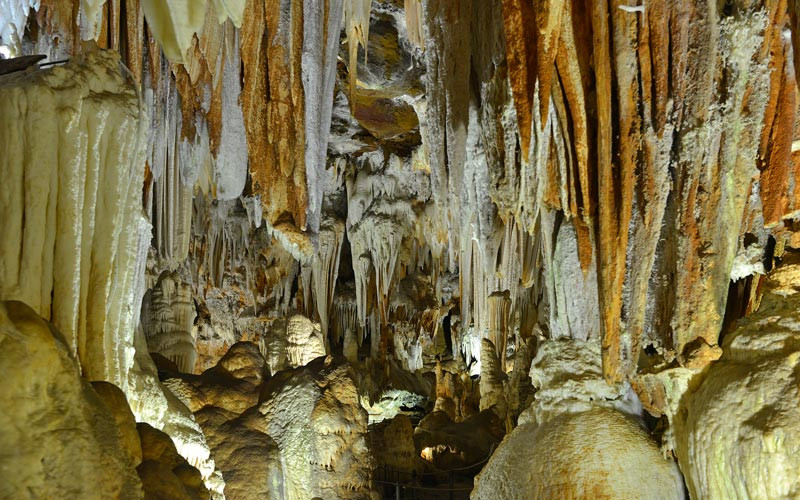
x: 775, y: 149
x: 548, y: 25
x: 613, y: 198
x: 272, y: 103
x: 519, y: 21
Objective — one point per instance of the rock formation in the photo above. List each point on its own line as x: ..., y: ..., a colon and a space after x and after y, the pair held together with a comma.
x: 580, y: 437
x: 316, y: 242
x: 168, y: 314
x: 736, y: 427
x: 65, y: 440
x: 599, y: 453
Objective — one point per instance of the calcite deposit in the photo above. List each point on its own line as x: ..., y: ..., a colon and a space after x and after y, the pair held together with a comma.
x: 367, y: 248
x: 599, y: 453
x: 580, y: 437
x: 64, y: 439
x: 737, y: 426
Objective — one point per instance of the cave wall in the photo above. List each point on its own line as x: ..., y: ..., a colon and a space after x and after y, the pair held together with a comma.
x: 423, y: 179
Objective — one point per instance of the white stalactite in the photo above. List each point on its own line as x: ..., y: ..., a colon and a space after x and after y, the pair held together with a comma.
x: 322, y: 24
x: 73, y: 165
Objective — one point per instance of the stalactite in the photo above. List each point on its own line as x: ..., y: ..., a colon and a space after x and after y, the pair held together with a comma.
x: 413, y: 12
x: 356, y: 23
x: 380, y: 213
x: 172, y: 205
x: 322, y: 24
x: 13, y: 18
x: 444, y: 132
x: 274, y: 113
x: 65, y: 247
x: 325, y: 268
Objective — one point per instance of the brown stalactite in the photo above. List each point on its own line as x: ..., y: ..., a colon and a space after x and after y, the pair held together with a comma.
x: 519, y: 19
x: 612, y: 197
x: 272, y: 103
x: 548, y: 14
x: 775, y: 149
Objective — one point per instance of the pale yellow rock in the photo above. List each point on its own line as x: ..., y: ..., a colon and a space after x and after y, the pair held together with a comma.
x: 164, y: 473
x: 60, y: 440
x: 248, y: 458
x: 174, y: 23
x: 230, y: 9
x: 737, y: 431
x: 568, y: 377
x: 314, y: 415
x: 153, y: 403
x: 73, y: 143
x: 231, y: 385
x: 168, y: 313
x: 244, y: 361
x: 599, y: 453
x: 117, y: 404
x: 580, y: 437
x: 492, y: 380
x: 292, y: 342
x: 304, y: 341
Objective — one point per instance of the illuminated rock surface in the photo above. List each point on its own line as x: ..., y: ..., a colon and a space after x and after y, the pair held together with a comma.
x: 737, y: 428
x: 64, y: 439
x: 599, y: 453
x: 332, y: 248
x: 580, y: 438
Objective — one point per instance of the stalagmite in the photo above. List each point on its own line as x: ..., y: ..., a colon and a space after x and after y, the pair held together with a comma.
x: 331, y: 460
x: 292, y: 342
x: 736, y: 431
x: 580, y: 437
x: 168, y: 314
x: 492, y: 379
x: 304, y: 341
x: 64, y: 438
x: 499, y: 305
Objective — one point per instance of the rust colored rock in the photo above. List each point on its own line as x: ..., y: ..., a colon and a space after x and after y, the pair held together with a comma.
x: 548, y: 24
x: 272, y: 103
x: 519, y: 19
x: 775, y: 150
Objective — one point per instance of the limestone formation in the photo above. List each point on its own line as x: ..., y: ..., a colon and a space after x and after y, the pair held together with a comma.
x: 314, y: 415
x: 737, y: 426
x: 579, y: 438
x: 393, y: 446
x: 168, y: 314
x: 164, y: 473
x: 72, y: 139
x: 117, y: 404
x: 248, y: 458
x: 64, y: 439
x: 309, y: 238
x: 599, y: 453
x: 292, y: 342
x: 231, y: 385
